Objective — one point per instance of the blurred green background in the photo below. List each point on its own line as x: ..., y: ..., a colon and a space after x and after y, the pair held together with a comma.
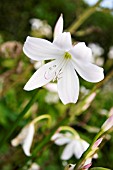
x: 16, y: 69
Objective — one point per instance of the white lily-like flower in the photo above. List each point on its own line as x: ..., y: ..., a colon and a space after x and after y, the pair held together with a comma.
x: 25, y: 138
x: 75, y: 145
x: 67, y: 60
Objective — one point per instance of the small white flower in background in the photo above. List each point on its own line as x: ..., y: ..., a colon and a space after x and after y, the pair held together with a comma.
x: 36, y: 23
x: 103, y: 112
x: 67, y: 60
x: 38, y: 64
x: 110, y: 54
x: 25, y: 138
x: 52, y: 87
x: 52, y: 96
x: 97, y: 51
x: 74, y: 145
x: 41, y: 26
x: 84, y: 90
x: 34, y: 166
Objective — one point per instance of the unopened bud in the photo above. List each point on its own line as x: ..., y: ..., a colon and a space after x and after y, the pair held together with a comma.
x: 108, y: 124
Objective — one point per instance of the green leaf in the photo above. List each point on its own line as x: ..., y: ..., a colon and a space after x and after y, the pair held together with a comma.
x: 99, y: 168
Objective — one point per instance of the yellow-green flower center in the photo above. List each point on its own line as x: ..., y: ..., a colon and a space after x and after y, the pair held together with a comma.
x: 67, y: 55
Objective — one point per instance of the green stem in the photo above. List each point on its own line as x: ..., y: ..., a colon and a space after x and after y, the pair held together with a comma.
x: 70, y: 129
x: 21, y: 115
x: 83, y: 17
x: 45, y: 116
x: 84, y: 156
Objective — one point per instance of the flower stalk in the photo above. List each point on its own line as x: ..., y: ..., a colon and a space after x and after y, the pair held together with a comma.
x: 83, y: 17
x: 45, y: 116
x: 67, y: 128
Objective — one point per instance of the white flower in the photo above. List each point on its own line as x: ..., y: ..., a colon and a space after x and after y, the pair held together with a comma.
x: 75, y: 145
x: 51, y: 98
x: 67, y: 60
x: 97, y: 51
x: 25, y: 138
x: 34, y: 166
x: 41, y: 26
x: 52, y: 87
x: 52, y: 95
x: 38, y: 64
x: 110, y: 54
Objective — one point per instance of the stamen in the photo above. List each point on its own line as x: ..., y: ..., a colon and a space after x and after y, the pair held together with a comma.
x: 55, y: 72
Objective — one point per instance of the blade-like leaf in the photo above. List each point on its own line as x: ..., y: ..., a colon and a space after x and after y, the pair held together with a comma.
x: 99, y: 168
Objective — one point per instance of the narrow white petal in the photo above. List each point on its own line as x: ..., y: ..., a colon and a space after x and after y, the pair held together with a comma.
x: 20, y: 137
x: 56, y: 136
x: 62, y: 140
x: 84, y: 144
x: 28, y: 140
x: 68, y: 151
x: 42, y: 76
x: 89, y: 71
x: 40, y: 49
x: 63, y: 41
x: 79, y: 148
x: 68, y: 85
x: 15, y: 142
x: 82, y: 52
x: 58, y: 27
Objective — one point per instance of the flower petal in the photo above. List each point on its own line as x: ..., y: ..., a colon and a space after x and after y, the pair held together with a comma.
x: 28, y: 140
x: 82, y: 52
x: 79, y: 147
x: 88, y: 71
x: 68, y: 85
x: 68, y: 151
x: 63, y: 140
x: 63, y: 41
x: 58, y: 27
x: 42, y: 76
x: 40, y: 49
x: 56, y: 136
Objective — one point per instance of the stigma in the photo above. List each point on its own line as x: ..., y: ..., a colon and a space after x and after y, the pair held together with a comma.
x: 67, y: 55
